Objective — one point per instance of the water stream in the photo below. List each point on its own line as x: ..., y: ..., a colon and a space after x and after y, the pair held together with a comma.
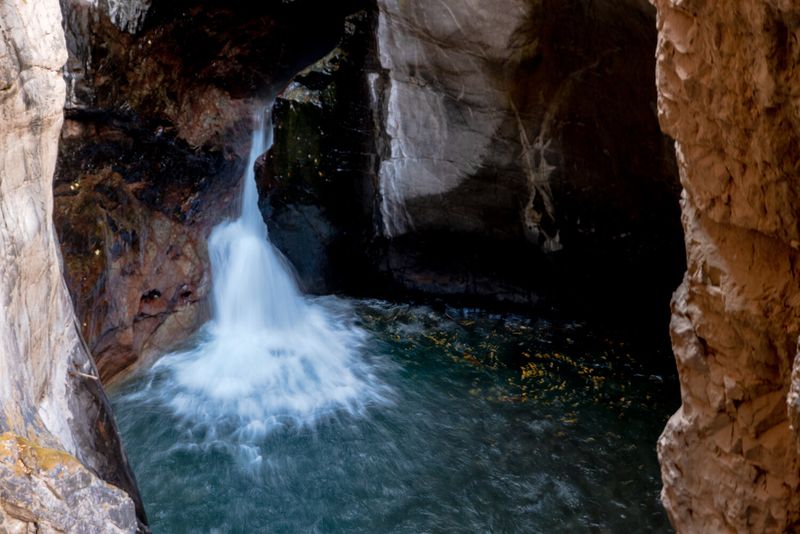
x: 268, y: 358
x: 291, y: 414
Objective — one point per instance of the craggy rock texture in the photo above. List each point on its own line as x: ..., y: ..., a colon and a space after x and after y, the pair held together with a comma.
x: 50, y: 491
x: 49, y: 392
x: 158, y: 123
x: 494, y: 150
x: 133, y: 217
x: 728, y: 93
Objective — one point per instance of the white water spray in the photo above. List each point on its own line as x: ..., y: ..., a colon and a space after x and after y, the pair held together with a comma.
x: 268, y: 358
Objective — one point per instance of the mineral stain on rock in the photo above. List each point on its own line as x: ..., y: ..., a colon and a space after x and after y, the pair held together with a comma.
x: 42, y: 488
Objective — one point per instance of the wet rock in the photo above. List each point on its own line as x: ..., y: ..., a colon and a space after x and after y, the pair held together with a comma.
x: 133, y: 218
x: 159, y: 121
x: 317, y: 183
x: 728, y: 93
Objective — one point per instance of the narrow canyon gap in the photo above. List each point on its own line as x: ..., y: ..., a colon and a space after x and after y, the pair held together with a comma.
x: 145, y: 262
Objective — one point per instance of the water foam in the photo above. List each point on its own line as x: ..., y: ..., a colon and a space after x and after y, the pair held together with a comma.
x: 269, y: 358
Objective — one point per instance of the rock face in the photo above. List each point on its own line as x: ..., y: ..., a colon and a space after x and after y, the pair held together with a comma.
x: 419, y: 158
x: 728, y: 93
x: 133, y: 217
x: 495, y: 151
x: 317, y: 184
x: 49, y: 393
x: 533, y: 124
x: 160, y: 106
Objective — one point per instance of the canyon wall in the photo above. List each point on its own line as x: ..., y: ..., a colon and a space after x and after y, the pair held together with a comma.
x: 530, y: 123
x: 506, y: 152
x: 729, y: 94
x: 62, y: 467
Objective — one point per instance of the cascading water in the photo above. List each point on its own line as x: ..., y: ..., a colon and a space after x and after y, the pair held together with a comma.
x: 497, y: 423
x: 268, y: 358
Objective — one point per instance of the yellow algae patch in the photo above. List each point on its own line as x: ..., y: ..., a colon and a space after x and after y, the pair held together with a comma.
x: 29, y: 456
x: 531, y: 370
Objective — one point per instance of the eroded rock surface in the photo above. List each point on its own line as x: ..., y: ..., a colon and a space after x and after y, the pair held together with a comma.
x: 530, y: 123
x: 49, y: 392
x: 134, y: 212
x: 317, y: 184
x: 728, y: 93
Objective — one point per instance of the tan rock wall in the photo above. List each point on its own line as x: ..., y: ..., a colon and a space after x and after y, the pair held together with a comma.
x: 47, y: 392
x: 47, y: 490
x: 728, y: 86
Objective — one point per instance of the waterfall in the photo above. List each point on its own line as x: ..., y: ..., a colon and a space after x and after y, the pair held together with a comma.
x: 269, y: 357
x: 253, y: 287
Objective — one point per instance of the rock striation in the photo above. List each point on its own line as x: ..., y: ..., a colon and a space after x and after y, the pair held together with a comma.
x: 50, y: 397
x: 529, y: 123
x: 727, y: 79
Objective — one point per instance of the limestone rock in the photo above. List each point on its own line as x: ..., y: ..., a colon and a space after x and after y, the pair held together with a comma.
x: 48, y: 392
x: 527, y: 109
x: 728, y: 93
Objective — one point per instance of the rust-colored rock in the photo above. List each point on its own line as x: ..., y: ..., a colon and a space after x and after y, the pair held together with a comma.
x: 140, y: 277
x: 160, y: 104
x: 728, y: 93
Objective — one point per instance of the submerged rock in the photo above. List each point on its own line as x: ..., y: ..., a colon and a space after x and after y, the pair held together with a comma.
x: 49, y: 391
x: 728, y: 93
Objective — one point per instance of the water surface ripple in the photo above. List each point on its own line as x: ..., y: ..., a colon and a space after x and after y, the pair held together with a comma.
x: 476, y: 423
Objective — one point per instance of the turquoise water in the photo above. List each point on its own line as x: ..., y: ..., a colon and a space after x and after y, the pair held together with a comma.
x: 486, y: 423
